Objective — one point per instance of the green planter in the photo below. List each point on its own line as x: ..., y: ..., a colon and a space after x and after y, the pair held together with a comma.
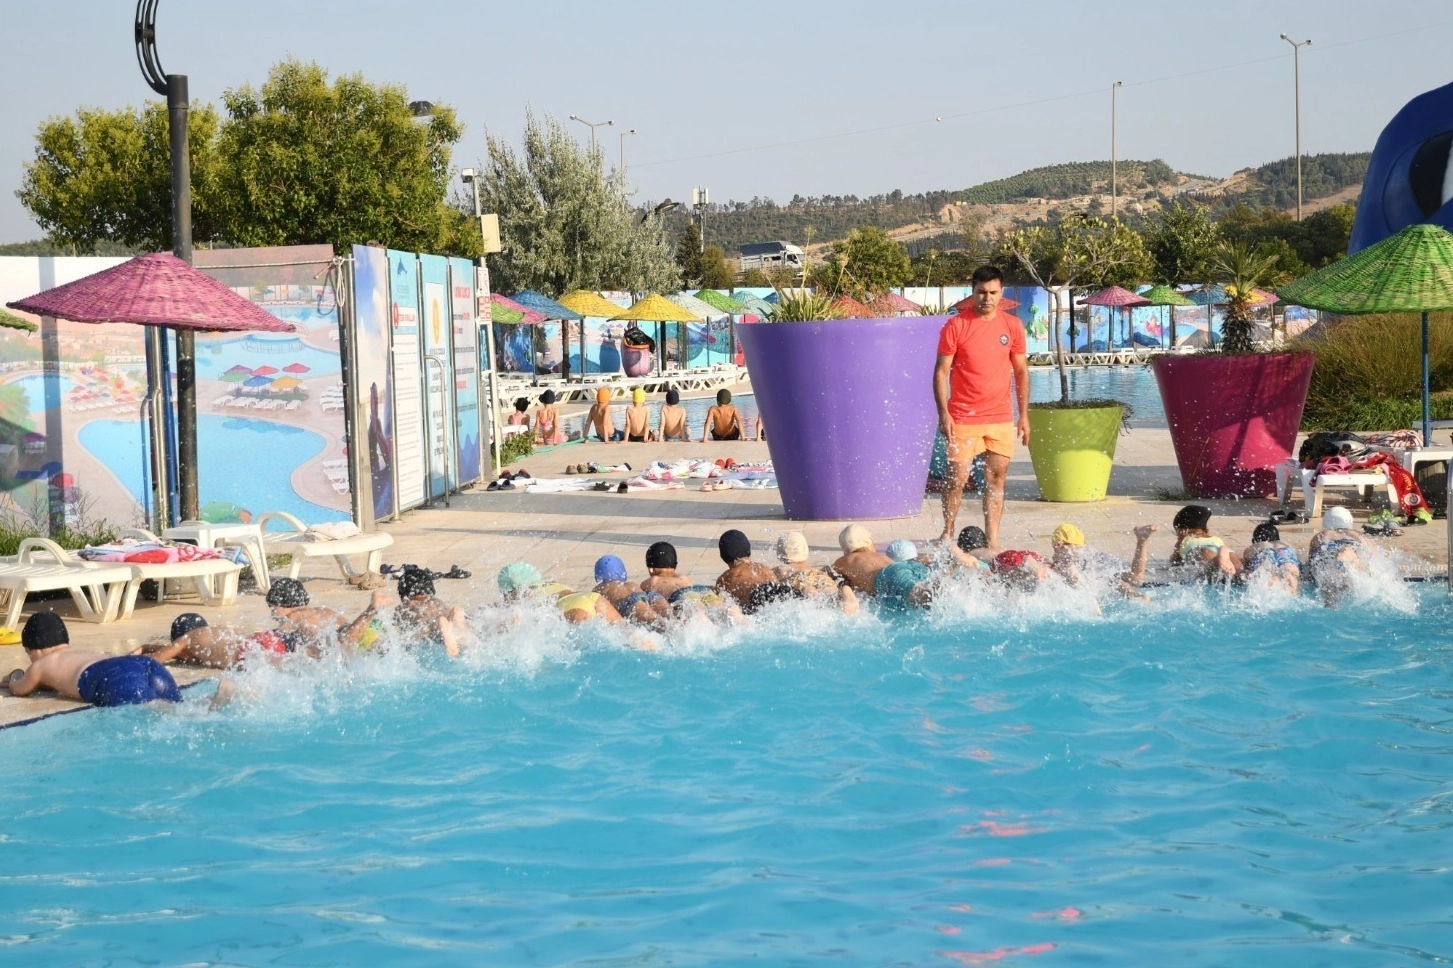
x: 1073, y: 450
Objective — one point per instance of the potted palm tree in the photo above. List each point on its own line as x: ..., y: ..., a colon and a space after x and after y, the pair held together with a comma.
x: 1234, y: 413
x: 849, y: 403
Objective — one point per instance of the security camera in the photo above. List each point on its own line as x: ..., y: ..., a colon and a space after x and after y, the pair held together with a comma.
x: 467, y: 175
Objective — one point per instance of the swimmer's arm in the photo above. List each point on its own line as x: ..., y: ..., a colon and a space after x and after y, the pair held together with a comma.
x: 163, y: 653
x: 22, y: 682
x: 353, y: 631
x: 607, y: 611
x: 1141, y: 559
x: 447, y: 636
x: 847, y: 600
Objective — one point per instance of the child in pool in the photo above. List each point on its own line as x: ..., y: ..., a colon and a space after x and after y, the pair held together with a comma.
x: 92, y: 677
x: 861, y: 560
x: 810, y: 582
x: 722, y: 421
x: 1270, y: 557
x: 629, y: 600
x: 1336, y: 552
x: 1199, y: 551
x: 421, y: 617
x: 661, y: 564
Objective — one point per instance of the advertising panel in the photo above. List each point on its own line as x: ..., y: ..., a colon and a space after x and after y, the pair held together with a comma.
x: 438, y: 370
x: 466, y: 371
x: 408, y: 401
x: 371, y: 339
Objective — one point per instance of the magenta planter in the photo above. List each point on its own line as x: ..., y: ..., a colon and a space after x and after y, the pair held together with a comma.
x: 1233, y: 418
x: 848, y: 405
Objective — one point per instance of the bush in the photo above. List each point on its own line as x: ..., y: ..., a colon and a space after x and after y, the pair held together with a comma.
x: 1369, y: 372
x: 515, y: 447
x: 17, y: 524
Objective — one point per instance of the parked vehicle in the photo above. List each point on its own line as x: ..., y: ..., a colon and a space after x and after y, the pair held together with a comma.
x: 771, y: 255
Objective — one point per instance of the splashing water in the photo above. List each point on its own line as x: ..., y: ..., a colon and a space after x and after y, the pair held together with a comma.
x: 1217, y: 776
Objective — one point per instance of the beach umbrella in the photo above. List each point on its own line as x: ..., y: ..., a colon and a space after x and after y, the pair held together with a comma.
x: 257, y: 381
x: 851, y: 308
x: 659, y: 310
x: 589, y: 303
x: 1114, y: 297
x: 724, y: 303
x: 518, y: 313
x: 286, y: 383
x: 12, y: 321
x: 1166, y: 296
x: 753, y: 304
x: 264, y: 370
x: 235, y: 375
x: 892, y: 304
x: 239, y: 368
x: 550, y: 309
x: 296, y: 368
x: 698, y: 307
x: 1411, y: 271
x: 1210, y: 296
x: 159, y: 290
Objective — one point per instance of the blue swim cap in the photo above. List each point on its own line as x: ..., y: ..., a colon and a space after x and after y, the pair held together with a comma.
x: 517, y: 575
x: 902, y: 550
x: 610, y: 568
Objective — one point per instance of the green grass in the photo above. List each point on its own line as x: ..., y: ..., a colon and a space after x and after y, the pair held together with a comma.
x: 1369, y: 372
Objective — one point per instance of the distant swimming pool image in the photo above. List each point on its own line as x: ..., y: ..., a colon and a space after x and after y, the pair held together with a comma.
x: 240, y: 461
x: 1212, y: 780
x: 44, y: 390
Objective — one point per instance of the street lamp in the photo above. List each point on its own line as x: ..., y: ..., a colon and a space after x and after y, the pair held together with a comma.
x: 1114, y: 167
x: 1297, y: 46
x: 623, y: 155
x: 471, y: 178
x: 174, y: 88
x: 592, y: 125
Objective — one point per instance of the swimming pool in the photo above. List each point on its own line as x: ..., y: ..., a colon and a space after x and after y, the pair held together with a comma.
x: 1134, y: 385
x: 215, y: 357
x: 1211, y: 780
x: 262, y: 482
x: 38, y: 385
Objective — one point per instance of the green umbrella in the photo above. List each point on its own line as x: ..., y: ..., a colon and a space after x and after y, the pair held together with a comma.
x: 1411, y: 272
x: 1166, y: 296
x: 716, y: 300
x: 12, y: 321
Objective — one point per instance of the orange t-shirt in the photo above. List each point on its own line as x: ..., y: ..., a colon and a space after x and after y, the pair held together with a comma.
x: 982, y: 378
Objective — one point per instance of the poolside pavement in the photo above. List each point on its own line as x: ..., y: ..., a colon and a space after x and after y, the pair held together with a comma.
x: 563, y: 535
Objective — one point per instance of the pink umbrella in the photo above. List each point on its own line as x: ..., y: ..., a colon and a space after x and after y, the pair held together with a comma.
x: 1115, y: 296
x: 153, y: 290
x: 296, y: 368
x: 264, y: 370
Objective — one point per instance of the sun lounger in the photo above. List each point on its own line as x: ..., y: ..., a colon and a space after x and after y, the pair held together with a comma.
x: 203, y: 573
x: 293, y: 404
x: 293, y: 543
x: 44, y: 566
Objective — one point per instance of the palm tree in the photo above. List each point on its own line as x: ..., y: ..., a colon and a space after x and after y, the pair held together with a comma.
x: 1242, y: 270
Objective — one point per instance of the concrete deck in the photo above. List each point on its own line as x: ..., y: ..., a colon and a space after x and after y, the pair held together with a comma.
x: 563, y: 535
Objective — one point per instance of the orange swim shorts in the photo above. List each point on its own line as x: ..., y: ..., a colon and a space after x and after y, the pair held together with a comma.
x: 971, y: 440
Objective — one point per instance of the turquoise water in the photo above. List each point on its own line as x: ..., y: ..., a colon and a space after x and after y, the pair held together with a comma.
x: 215, y: 357
x: 240, y: 461
x: 37, y: 386
x: 1134, y: 385
x: 1213, y: 779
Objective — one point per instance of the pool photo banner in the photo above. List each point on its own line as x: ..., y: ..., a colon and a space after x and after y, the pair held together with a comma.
x: 437, y: 373
x: 410, y: 466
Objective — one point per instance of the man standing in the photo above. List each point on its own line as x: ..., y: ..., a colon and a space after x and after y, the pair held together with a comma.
x: 980, y: 352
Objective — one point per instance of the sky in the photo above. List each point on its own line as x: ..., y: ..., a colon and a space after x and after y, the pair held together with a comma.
x: 770, y: 99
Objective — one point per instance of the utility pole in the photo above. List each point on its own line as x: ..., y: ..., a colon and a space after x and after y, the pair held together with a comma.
x: 1297, y: 46
x: 699, y: 201
x: 592, y: 125
x: 1114, y: 165
x: 623, y: 156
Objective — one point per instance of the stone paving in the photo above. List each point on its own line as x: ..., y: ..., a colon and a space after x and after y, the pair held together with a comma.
x: 563, y: 534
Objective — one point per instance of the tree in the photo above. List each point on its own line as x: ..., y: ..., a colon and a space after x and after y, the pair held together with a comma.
x: 716, y: 272
x: 564, y: 224
x: 308, y: 161
x: 1181, y: 242
x: 301, y: 161
x: 868, y: 262
x: 754, y: 278
x: 105, y: 176
x: 689, y: 254
x: 1242, y: 269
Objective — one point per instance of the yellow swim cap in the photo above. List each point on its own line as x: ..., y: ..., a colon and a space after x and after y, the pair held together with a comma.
x: 1068, y: 534
x: 638, y: 395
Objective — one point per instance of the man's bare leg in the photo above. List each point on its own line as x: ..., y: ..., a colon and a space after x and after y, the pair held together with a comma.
x: 953, y: 495
x: 996, y: 469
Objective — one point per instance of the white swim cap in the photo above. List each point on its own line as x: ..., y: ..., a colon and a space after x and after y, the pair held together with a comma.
x: 792, y: 546
x: 853, y: 537
x: 1338, y: 519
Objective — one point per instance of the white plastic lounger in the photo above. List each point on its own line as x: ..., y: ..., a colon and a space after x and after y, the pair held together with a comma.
x: 203, y: 573
x: 44, y: 566
x: 293, y: 543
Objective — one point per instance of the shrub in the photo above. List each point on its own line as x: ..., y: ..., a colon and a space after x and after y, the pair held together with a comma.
x: 515, y: 447
x: 1369, y: 371
x: 18, y: 523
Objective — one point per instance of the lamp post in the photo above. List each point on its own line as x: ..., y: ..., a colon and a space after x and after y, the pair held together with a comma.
x: 623, y: 156
x: 592, y: 125
x: 471, y: 178
x: 1114, y: 165
x: 1297, y: 46
x: 174, y: 88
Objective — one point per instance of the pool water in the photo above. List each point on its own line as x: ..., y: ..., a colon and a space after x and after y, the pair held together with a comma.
x: 38, y: 385
x: 1217, y: 778
x: 1132, y: 385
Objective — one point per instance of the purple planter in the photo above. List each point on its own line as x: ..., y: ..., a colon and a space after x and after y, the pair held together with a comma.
x: 848, y: 405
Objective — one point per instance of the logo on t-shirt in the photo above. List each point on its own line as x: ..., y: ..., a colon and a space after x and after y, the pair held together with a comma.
x: 1003, y: 339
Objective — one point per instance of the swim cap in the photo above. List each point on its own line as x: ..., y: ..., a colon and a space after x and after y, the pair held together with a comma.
x: 602, y: 396
x: 183, y: 624
x: 853, y: 537
x: 672, y: 397
x: 662, y: 554
x: 522, y: 404
x: 415, y: 582
x: 792, y: 546
x: 973, y: 538
x: 548, y: 397
x: 723, y: 397
x: 1192, y: 517
x: 734, y: 545
x: 287, y: 593
x: 1337, y: 519
x: 1266, y: 531
x: 518, y: 575
x: 610, y: 568
x: 44, y: 630
x: 638, y: 395
x: 902, y: 550
x: 768, y: 592
x: 1011, y: 560
x: 1068, y: 534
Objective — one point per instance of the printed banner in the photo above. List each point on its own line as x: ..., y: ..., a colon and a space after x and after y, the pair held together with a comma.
x: 371, y: 339
x: 438, y: 370
x: 466, y: 372
x: 408, y: 401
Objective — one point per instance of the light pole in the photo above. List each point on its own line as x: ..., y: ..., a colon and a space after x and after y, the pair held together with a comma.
x: 1114, y: 165
x: 700, y: 199
x: 471, y: 178
x: 174, y: 88
x: 592, y: 125
x: 623, y: 155
x: 1297, y: 46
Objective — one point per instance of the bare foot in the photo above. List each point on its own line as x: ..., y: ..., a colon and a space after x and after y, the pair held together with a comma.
x: 223, y: 695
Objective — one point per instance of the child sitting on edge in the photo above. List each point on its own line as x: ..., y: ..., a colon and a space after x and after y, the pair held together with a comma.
x: 598, y: 419
x: 638, y: 418
x: 1197, y: 550
x: 521, y: 416
x: 547, y: 421
x: 723, y: 422
x: 671, y: 424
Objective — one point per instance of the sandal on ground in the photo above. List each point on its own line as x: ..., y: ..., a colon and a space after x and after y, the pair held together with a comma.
x: 367, y: 580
